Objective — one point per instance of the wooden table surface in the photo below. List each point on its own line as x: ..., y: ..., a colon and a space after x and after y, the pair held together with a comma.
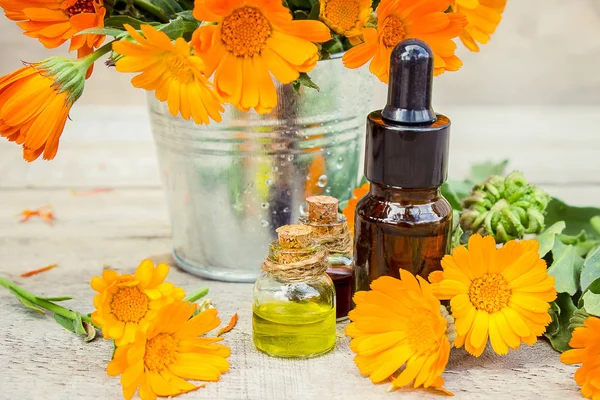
x: 107, y: 147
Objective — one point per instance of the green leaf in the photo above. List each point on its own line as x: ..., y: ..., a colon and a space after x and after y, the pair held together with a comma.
x: 64, y: 298
x: 558, y: 331
x: 456, y: 229
x: 595, y: 222
x: 456, y: 191
x: 576, y: 218
x: 482, y: 171
x: 197, y: 295
x: 548, y: 237
x: 304, y: 80
x: 102, y: 31
x: 590, y: 301
x: 169, y: 7
x: 30, y: 305
x: 119, y: 22
x: 178, y: 27
x: 25, y: 301
x: 591, y: 269
x: 578, y: 319
x: 315, y: 11
x: 78, y: 325
x: 64, y: 322
x: 566, y: 268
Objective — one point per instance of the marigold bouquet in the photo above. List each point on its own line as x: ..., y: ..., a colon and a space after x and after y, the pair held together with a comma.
x: 198, y: 55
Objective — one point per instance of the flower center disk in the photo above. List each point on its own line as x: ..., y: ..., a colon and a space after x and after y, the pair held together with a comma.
x: 161, y: 351
x: 80, y: 7
x: 179, y: 68
x: 393, y: 31
x: 129, y: 304
x: 421, y: 334
x: 245, y: 32
x: 342, y: 12
x: 490, y: 293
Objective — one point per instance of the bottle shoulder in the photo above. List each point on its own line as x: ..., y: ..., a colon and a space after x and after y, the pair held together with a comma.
x: 268, y: 288
x: 379, y: 210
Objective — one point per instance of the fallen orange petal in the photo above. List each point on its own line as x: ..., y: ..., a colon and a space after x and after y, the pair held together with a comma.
x: 45, y: 213
x: 229, y: 326
x: 38, y: 271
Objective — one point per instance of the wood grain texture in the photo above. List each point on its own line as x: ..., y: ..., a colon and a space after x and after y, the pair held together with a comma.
x: 113, y: 148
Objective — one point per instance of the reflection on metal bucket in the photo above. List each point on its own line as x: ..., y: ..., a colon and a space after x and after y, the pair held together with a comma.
x: 229, y: 185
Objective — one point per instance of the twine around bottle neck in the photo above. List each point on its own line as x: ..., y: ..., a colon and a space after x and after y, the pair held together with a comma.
x: 334, y: 237
x: 304, y: 268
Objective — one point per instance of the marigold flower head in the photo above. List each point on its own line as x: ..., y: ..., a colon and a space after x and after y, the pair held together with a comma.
x: 350, y: 210
x: 399, y: 323
x: 252, y: 40
x: 35, y: 102
x: 498, y: 294
x: 586, y: 351
x: 126, y: 304
x: 406, y: 19
x: 53, y: 22
x: 168, y: 68
x: 483, y: 16
x: 160, y: 359
x: 346, y: 17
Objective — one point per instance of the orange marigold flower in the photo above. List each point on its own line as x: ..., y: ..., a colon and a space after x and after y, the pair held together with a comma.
x: 501, y: 294
x: 403, y: 19
x: 159, y: 360
x: 346, y: 17
x: 35, y: 104
x: 168, y: 68
x: 126, y: 304
x: 586, y: 351
x: 483, y: 16
x: 251, y: 39
x: 53, y: 22
x: 350, y: 210
x: 399, y: 332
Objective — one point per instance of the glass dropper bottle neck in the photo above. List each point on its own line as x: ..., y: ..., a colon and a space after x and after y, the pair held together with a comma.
x: 401, y: 195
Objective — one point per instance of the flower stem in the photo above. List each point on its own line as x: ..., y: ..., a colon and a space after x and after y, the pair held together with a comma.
x: 152, y: 9
x: 48, y: 305
x: 197, y: 295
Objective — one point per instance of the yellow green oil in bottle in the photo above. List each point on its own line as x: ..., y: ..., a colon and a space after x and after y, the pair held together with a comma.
x: 294, y: 298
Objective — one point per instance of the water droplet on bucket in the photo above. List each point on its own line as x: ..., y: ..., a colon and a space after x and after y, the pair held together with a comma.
x: 328, y: 190
x: 286, y: 210
x: 303, y: 209
x: 322, y: 182
x: 275, y: 169
x: 290, y: 157
x: 264, y: 223
x: 265, y: 206
x: 340, y: 163
x: 269, y: 182
x: 308, y: 177
x: 328, y: 153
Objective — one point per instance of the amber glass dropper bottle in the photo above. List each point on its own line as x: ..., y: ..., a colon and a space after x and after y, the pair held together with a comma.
x: 404, y: 221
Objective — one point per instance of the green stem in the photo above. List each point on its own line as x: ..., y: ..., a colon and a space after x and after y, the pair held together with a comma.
x: 197, y: 295
x: 152, y: 9
x: 48, y: 305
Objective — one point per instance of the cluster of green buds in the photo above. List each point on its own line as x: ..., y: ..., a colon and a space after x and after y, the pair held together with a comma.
x: 506, y: 208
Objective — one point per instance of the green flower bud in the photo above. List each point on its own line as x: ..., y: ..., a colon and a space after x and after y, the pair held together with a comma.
x: 507, y: 208
x: 68, y: 75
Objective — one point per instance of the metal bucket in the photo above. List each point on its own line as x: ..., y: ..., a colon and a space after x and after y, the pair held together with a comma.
x: 229, y: 185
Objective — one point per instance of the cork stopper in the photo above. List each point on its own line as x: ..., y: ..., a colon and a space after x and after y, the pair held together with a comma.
x: 295, y: 236
x: 322, y: 209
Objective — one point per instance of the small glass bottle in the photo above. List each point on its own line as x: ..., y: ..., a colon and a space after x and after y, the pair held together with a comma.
x: 294, y: 299
x: 404, y: 222
x: 331, y: 231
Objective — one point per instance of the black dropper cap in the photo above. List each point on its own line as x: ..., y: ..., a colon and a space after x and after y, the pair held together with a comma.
x: 407, y: 142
